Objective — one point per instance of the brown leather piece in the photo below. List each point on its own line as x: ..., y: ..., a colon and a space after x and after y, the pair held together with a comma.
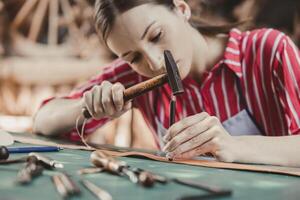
x: 203, y: 163
x: 213, y: 164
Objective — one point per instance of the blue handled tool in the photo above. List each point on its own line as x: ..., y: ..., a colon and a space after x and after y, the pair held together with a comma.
x: 33, y: 149
x: 5, y: 151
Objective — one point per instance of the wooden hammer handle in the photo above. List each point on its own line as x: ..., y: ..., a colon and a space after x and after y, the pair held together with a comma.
x: 138, y: 89
x: 146, y: 86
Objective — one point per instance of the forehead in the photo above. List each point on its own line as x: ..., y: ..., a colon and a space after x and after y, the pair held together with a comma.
x: 130, y: 25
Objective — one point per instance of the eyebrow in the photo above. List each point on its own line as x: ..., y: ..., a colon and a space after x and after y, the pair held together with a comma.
x: 147, y: 29
x: 143, y: 36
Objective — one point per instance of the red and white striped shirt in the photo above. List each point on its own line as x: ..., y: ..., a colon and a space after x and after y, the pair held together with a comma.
x: 266, y: 64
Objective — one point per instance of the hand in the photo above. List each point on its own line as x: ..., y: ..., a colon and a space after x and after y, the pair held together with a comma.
x: 106, y: 100
x: 197, y: 135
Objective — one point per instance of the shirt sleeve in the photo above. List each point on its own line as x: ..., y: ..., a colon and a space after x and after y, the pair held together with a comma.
x: 286, y: 76
x: 118, y: 71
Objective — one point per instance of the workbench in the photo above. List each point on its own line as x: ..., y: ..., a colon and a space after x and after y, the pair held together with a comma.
x: 244, y: 185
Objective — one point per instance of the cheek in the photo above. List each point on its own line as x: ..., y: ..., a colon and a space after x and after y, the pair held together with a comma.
x: 184, y: 68
x: 143, y: 70
x: 183, y: 55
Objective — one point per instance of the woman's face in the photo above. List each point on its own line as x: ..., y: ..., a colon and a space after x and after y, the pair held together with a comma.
x: 140, y: 36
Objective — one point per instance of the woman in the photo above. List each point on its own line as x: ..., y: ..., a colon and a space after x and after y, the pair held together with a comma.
x: 239, y: 87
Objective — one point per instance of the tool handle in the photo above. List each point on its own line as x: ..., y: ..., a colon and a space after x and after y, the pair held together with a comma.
x: 29, y: 171
x: 4, y: 153
x: 106, y: 163
x: 138, y: 89
x: 145, y: 86
x: 32, y: 149
x: 201, y: 186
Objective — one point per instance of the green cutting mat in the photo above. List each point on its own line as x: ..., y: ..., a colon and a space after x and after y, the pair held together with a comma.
x: 245, y: 185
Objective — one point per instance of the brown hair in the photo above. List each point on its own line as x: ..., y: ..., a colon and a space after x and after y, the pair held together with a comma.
x: 106, y: 12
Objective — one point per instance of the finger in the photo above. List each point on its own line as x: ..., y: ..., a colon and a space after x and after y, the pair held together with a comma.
x: 198, y: 151
x: 193, y: 143
x: 187, y: 134
x: 107, y: 98
x: 117, y: 94
x: 128, y: 105
x: 97, y: 96
x: 183, y: 124
x: 88, y: 101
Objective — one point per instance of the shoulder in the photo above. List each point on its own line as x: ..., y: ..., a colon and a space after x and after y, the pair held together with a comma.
x: 264, y: 41
x: 260, y: 47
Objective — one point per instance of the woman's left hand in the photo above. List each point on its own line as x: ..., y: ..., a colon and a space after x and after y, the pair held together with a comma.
x: 197, y: 135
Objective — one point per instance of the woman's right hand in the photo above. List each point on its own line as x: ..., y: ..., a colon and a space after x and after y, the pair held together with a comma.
x: 106, y: 100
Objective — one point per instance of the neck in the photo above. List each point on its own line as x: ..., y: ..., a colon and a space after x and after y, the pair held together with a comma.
x: 208, y: 51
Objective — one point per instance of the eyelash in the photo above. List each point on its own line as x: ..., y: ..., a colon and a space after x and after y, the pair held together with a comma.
x: 135, y: 59
x: 156, y: 38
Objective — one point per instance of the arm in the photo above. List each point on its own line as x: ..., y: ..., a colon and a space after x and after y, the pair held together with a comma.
x: 269, y: 150
x: 52, y: 120
x: 60, y: 115
x: 102, y: 98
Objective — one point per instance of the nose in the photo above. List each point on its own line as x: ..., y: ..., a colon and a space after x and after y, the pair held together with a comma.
x: 154, y: 60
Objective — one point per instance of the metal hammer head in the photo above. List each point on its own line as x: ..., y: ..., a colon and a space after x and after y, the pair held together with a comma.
x: 173, y: 74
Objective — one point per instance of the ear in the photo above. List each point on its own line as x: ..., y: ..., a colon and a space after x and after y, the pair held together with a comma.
x: 183, y: 8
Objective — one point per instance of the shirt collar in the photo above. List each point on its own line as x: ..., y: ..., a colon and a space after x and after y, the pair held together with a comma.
x: 232, y: 54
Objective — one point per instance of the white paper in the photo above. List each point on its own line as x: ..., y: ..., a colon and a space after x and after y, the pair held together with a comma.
x: 6, y: 139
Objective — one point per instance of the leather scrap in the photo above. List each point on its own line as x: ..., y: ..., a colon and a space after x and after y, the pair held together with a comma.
x: 203, y: 163
x: 212, y: 163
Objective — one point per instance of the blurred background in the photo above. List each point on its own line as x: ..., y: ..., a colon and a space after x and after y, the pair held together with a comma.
x: 48, y: 47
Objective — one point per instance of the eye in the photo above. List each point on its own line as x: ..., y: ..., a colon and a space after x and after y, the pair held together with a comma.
x: 156, y: 38
x: 136, y: 58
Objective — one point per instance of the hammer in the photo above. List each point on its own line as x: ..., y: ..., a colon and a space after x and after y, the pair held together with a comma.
x: 172, y: 77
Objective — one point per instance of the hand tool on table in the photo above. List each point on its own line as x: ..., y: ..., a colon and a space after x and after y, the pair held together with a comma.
x: 47, y: 162
x: 172, y: 77
x: 189, y: 183
x: 28, y: 149
x: 59, y: 186
x: 213, y: 191
x: 65, y: 186
x: 148, y: 179
x: 90, y: 170
x: 96, y: 191
x: 6, y: 151
x: 13, y: 161
x: 120, y: 168
x: 4, y: 154
x: 152, y: 176
x: 31, y: 170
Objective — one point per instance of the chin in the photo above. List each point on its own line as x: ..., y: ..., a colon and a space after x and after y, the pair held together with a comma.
x: 183, y: 70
